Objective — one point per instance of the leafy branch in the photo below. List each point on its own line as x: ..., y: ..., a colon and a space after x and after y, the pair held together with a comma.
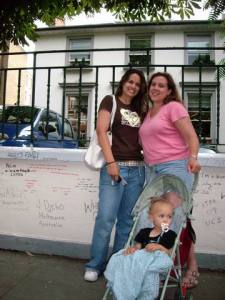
x: 17, y: 17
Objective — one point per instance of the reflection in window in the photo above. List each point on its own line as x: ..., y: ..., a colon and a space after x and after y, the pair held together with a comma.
x: 193, y: 55
x: 49, y: 126
x: 139, y: 57
x: 201, y: 115
x: 83, y: 56
x: 77, y: 114
x: 67, y: 130
x: 18, y: 114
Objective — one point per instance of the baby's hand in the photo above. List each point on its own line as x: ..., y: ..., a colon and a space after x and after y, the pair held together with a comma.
x: 152, y: 247
x: 130, y: 250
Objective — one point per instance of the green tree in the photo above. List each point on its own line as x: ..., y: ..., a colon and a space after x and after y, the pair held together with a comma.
x: 217, y: 7
x: 17, y: 17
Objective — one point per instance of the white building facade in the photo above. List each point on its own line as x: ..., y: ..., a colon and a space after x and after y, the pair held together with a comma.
x: 75, y: 82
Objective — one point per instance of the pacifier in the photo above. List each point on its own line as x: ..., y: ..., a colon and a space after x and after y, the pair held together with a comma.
x: 165, y: 227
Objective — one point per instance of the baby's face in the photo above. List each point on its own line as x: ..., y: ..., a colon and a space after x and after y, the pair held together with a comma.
x: 162, y: 215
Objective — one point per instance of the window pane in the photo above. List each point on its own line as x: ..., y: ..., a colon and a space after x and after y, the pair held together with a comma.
x: 80, y: 44
x: 194, y: 99
x: 140, y: 56
x: 18, y: 114
x: 205, y: 44
x: 200, y: 114
x: 198, y: 41
x: 140, y: 59
x: 80, y: 56
x: 49, y: 126
x: 73, y: 115
x: 139, y: 43
x: 67, y: 129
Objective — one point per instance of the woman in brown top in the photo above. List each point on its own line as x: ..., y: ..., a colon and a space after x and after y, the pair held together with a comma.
x: 122, y: 177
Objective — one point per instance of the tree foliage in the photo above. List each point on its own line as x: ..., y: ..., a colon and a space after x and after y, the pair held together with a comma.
x: 217, y: 7
x: 17, y: 17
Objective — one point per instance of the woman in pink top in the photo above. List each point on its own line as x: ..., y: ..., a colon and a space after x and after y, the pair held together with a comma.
x: 170, y: 146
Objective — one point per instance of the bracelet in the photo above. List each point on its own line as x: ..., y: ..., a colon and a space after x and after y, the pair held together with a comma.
x: 109, y: 163
x: 194, y: 156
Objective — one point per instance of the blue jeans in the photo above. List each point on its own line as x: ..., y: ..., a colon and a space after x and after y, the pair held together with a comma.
x: 116, y: 201
x: 175, y: 167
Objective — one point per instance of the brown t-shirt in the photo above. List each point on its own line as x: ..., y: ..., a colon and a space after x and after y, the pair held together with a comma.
x: 125, y: 143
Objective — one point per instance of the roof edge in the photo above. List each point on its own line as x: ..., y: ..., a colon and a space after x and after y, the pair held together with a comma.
x: 129, y: 24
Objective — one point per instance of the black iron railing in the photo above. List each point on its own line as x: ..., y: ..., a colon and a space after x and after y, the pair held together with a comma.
x: 84, y: 83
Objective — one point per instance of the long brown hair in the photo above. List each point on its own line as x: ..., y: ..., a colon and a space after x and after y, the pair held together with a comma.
x: 174, y: 95
x: 140, y: 100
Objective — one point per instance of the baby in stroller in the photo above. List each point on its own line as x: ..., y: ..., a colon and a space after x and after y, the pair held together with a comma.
x: 146, y: 259
x: 160, y: 237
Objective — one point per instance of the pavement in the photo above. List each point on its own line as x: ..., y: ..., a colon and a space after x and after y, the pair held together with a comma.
x: 27, y: 276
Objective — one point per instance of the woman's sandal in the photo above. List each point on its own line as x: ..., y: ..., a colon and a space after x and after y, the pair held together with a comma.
x: 190, y: 279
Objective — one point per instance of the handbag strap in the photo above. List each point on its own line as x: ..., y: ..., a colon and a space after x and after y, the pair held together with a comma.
x: 113, y: 111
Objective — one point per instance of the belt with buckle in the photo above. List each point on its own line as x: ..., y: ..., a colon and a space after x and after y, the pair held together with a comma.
x: 131, y: 163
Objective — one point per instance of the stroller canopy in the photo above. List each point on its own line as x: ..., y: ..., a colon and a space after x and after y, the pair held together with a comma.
x: 161, y: 185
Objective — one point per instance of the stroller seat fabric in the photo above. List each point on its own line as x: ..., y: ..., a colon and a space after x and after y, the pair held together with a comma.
x: 136, y: 276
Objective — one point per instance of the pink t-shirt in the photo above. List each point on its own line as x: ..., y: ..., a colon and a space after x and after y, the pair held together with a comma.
x: 160, y: 139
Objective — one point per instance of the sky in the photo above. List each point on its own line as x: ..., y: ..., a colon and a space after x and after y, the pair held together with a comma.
x: 106, y: 17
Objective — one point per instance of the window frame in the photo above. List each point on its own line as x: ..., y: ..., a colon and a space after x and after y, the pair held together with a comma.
x: 199, y: 35
x: 213, y: 107
x: 79, y: 38
x: 137, y: 36
x: 86, y: 95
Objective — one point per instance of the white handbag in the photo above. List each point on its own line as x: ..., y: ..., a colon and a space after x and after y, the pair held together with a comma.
x: 94, y: 157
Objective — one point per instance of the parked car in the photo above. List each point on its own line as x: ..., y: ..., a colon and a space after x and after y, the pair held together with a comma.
x: 206, y: 150
x: 47, y: 131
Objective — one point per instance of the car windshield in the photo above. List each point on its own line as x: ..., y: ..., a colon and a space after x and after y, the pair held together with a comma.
x: 18, y: 114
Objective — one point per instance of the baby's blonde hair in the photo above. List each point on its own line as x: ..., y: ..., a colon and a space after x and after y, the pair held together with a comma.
x: 154, y: 201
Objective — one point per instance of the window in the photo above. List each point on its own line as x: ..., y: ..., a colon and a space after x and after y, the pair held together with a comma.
x: 83, y: 56
x: 140, y: 56
x: 193, y: 55
x: 49, y: 125
x: 18, y: 114
x: 202, y: 114
x: 73, y: 115
x: 67, y: 129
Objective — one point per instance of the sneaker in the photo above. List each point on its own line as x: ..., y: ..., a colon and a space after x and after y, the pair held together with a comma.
x: 91, y: 275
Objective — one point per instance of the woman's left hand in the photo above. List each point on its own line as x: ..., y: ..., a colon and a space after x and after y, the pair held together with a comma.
x: 193, y: 165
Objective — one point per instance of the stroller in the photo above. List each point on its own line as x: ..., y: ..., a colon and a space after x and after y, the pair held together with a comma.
x: 162, y: 185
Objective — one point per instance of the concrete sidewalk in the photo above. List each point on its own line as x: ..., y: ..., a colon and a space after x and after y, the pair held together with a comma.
x: 24, y: 276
